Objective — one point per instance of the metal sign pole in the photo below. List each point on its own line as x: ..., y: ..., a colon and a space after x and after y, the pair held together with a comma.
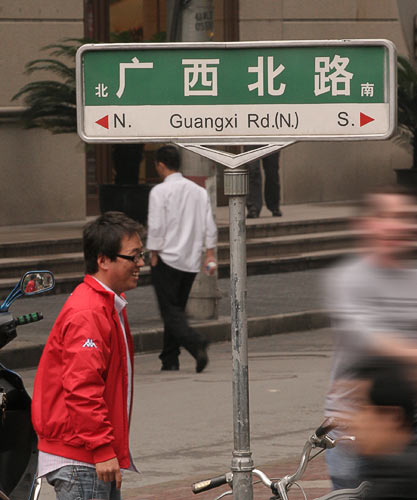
x: 236, y: 187
x: 350, y: 84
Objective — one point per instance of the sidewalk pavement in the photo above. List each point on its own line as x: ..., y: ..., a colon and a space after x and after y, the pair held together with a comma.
x: 276, y: 303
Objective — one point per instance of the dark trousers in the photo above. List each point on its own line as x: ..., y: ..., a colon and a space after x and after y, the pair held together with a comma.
x: 172, y: 288
x: 272, y: 184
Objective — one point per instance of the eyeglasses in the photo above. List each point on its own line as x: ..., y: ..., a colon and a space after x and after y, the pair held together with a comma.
x: 133, y: 258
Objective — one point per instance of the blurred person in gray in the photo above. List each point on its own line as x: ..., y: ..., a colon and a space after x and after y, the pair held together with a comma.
x: 372, y: 298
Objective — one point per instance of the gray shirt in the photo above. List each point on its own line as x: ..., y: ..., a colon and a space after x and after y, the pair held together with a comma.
x: 366, y: 301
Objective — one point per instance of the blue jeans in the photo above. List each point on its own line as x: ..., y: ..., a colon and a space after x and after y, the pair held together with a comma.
x: 343, y: 467
x: 78, y: 482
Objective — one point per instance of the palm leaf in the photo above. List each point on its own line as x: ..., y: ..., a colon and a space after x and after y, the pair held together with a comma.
x: 51, y: 104
x: 68, y: 48
x: 407, y: 103
x: 52, y: 65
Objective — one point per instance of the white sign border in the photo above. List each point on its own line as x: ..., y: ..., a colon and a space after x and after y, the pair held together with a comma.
x: 391, y: 79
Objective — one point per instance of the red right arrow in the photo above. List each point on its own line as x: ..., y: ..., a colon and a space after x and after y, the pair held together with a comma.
x: 104, y: 122
x: 364, y: 119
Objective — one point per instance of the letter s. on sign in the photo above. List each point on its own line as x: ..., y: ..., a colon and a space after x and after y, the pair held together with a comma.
x: 343, y: 119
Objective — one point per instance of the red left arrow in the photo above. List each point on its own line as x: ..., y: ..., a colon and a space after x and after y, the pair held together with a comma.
x: 104, y: 122
x: 364, y: 119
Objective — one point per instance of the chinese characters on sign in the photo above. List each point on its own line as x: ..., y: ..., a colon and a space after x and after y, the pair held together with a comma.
x: 200, y: 77
x: 367, y: 89
x: 101, y: 90
x: 334, y: 72
x: 200, y: 68
x: 271, y: 76
x: 135, y: 64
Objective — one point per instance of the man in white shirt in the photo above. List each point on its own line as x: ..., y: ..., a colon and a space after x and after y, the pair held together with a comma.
x: 180, y: 227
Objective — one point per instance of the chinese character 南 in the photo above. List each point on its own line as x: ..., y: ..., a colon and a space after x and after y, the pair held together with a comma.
x: 101, y: 90
x: 367, y: 89
x: 135, y: 64
x: 203, y: 72
x: 272, y: 74
x: 333, y: 72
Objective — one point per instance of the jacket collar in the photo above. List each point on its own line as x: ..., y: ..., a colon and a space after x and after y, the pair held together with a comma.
x: 98, y: 287
x: 119, y: 301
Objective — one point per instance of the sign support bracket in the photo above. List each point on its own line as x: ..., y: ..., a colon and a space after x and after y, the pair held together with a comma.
x: 231, y: 160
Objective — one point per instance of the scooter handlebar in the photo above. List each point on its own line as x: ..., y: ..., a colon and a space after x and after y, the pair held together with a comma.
x: 28, y: 318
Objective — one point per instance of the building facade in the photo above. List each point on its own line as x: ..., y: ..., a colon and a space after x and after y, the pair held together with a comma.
x: 329, y: 171
x: 44, y: 176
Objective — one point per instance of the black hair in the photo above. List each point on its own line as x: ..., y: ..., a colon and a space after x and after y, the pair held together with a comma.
x: 390, y: 386
x: 169, y: 156
x: 103, y: 236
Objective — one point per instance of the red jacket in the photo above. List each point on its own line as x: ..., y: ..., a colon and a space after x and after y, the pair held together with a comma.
x: 79, y: 407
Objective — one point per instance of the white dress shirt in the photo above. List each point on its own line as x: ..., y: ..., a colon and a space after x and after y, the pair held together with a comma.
x: 180, y: 223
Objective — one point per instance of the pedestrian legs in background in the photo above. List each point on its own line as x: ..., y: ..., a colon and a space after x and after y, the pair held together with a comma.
x: 172, y: 288
x: 272, y: 186
x: 272, y: 190
x: 254, y: 196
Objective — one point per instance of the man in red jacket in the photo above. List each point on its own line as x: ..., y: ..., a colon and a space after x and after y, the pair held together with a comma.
x: 83, y: 388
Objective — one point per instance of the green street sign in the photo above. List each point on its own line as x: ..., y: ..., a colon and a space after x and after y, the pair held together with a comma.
x: 243, y: 92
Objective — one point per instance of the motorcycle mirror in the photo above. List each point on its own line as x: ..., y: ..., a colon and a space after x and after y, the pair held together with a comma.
x: 34, y: 282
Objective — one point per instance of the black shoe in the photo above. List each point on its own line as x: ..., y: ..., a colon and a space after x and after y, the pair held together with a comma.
x: 171, y: 368
x: 252, y: 214
x: 202, y: 359
x: 277, y: 213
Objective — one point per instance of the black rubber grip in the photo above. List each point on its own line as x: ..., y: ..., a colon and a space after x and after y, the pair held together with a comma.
x: 28, y: 318
x: 328, y: 425
x: 209, y: 484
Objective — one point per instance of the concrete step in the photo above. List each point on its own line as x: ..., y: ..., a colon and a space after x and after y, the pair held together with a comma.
x: 294, y: 244
x: 66, y: 282
x: 264, y: 248
x: 40, y: 247
x: 296, y: 262
x: 57, y: 263
x: 25, y: 352
x: 273, y: 246
x: 254, y: 229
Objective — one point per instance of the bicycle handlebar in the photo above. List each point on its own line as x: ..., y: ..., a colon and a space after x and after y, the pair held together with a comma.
x: 328, y: 425
x: 317, y: 440
x: 208, y: 484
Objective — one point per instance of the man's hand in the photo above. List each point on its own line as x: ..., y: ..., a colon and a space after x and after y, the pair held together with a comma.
x: 110, y: 471
x: 209, y: 268
x: 154, y: 258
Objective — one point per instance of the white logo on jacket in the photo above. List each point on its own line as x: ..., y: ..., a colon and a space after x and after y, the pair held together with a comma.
x: 90, y: 343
